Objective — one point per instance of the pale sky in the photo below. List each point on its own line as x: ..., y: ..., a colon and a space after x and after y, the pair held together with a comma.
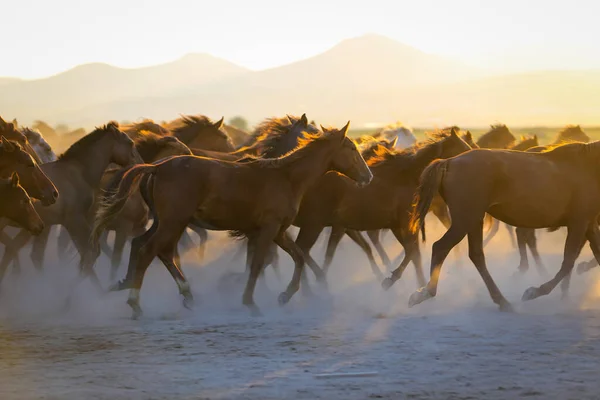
x: 41, y: 37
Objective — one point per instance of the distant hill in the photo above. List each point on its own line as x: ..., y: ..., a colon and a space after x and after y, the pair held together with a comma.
x: 97, y: 83
x: 369, y: 79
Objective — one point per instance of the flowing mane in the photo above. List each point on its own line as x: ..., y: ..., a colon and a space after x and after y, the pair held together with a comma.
x: 149, y: 144
x: 146, y: 125
x: 83, y: 145
x: 272, y: 136
x: 571, y: 133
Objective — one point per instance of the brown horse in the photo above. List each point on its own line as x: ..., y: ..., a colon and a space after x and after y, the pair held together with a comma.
x: 14, y: 159
x: 570, y: 134
x: 258, y: 199
x: 199, y: 132
x: 384, y: 204
x: 11, y: 132
x: 137, y: 129
x: 557, y: 188
x: 77, y: 174
x: 16, y: 205
x: 498, y: 137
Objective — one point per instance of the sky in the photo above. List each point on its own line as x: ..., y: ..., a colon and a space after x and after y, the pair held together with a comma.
x: 41, y: 38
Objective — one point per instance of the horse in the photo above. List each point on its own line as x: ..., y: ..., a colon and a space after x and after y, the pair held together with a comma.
x: 258, y: 199
x: 10, y: 132
x: 384, y: 204
x: 77, y: 174
x: 198, y: 131
x: 238, y: 136
x: 15, y: 204
x: 403, y: 135
x: 467, y: 137
x: 498, y: 137
x: 39, y: 145
x: 571, y: 133
x: 551, y: 189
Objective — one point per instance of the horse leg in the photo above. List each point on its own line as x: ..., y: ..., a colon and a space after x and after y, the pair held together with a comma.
x: 440, y: 250
x: 375, y: 237
x: 521, y: 234
x: 38, y: 249
x: 585, y: 266
x: 336, y: 235
x: 203, y: 236
x: 168, y: 259
x: 410, y: 243
x: 532, y: 244
x: 262, y: 242
x: 80, y: 231
x: 475, y: 238
x: 63, y: 243
x: 117, y: 254
x: 358, y: 238
x: 290, y: 247
x: 575, y: 240
x: 305, y: 240
x: 11, y: 252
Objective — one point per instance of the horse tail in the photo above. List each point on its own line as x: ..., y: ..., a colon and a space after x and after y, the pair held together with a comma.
x: 430, y: 181
x: 114, y: 202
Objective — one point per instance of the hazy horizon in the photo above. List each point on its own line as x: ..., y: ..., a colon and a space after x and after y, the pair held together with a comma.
x: 513, y: 36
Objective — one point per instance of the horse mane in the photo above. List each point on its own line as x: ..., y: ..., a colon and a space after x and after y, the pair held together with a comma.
x: 82, y: 145
x: 186, y: 127
x: 412, y: 155
x: 149, y: 144
x: 305, y: 143
x: 147, y: 125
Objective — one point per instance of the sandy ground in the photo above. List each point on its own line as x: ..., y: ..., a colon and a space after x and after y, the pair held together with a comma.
x: 456, y: 346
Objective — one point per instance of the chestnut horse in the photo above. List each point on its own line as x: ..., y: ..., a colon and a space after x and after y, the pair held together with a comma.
x: 259, y: 199
x: 557, y: 188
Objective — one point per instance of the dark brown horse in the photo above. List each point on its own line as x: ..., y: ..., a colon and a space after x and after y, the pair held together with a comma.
x: 557, y: 188
x: 16, y: 205
x: 258, y: 199
x: 136, y: 130
x: 384, y: 204
x: 77, y: 174
x: 199, y: 132
x: 498, y: 137
x: 570, y: 134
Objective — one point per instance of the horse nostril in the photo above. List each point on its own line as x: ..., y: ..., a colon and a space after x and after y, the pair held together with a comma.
x: 55, y: 194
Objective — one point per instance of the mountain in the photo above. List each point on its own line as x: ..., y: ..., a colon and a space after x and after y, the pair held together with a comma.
x: 97, y: 83
x: 369, y: 79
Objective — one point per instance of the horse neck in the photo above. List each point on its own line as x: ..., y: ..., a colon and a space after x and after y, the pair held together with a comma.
x: 93, y: 161
x: 306, y: 168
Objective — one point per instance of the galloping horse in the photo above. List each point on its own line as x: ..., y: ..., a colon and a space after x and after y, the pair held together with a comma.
x: 259, y: 199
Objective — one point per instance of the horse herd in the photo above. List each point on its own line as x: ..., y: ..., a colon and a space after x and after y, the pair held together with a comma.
x: 188, y: 173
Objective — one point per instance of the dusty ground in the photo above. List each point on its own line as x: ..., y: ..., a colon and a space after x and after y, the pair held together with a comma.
x: 455, y: 346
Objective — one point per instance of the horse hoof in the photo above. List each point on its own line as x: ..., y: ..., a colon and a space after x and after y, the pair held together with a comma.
x: 583, y: 267
x: 283, y: 298
x: 136, y: 309
x: 419, y: 296
x: 387, y: 283
x: 531, y: 294
x: 255, y: 311
x: 507, y: 307
x: 121, y: 285
x: 188, y: 301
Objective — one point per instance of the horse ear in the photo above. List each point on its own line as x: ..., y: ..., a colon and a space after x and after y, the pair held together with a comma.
x: 15, y: 123
x: 535, y: 136
x: 219, y: 123
x: 344, y: 130
x: 2, y: 122
x: 14, y: 179
x: 304, y: 120
x: 393, y: 143
x: 324, y: 129
x: 453, y: 132
x: 291, y: 119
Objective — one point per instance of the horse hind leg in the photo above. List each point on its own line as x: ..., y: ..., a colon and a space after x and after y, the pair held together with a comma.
x: 532, y: 244
x: 412, y: 253
x: 168, y: 259
x: 375, y: 236
x: 117, y: 254
x: 358, y: 238
x: 576, y: 234
x: 335, y: 236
